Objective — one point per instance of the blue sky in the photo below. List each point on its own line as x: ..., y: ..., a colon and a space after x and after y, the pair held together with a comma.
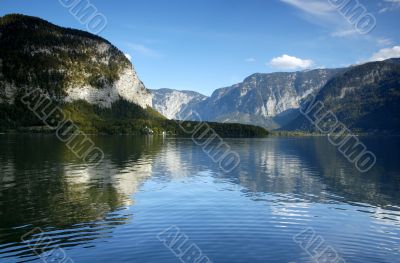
x: 209, y: 44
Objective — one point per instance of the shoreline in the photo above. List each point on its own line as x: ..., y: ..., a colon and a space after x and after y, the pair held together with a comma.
x: 47, y: 131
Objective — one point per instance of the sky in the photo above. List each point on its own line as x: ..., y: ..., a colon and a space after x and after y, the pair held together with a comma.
x: 203, y: 45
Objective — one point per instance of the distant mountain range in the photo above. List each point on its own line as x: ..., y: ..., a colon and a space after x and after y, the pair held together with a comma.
x: 365, y: 97
x: 98, y: 88
x: 266, y: 100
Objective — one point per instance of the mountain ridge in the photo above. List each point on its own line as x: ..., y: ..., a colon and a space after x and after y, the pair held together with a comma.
x: 69, y: 64
x: 260, y: 99
x: 253, y: 101
x: 86, y: 77
x: 171, y: 103
x: 365, y: 98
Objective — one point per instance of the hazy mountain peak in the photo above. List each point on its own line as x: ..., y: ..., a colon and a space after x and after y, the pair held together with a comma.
x: 257, y: 100
x: 171, y: 103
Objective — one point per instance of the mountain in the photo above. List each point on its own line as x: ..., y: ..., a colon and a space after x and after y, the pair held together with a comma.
x: 365, y: 98
x: 262, y: 97
x: 85, y: 76
x: 268, y: 100
x: 172, y: 103
x: 68, y: 64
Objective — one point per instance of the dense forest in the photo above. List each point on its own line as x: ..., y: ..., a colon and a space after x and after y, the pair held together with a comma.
x: 123, y: 118
x: 37, y: 53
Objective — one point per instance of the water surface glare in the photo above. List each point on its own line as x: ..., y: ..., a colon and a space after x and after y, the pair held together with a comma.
x: 114, y: 212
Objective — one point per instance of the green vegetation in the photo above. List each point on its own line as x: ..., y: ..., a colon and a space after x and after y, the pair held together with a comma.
x: 36, y: 53
x: 293, y: 133
x: 122, y: 118
x: 128, y: 118
x: 364, y: 98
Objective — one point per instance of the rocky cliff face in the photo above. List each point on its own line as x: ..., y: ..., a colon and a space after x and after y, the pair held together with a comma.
x: 128, y: 86
x: 67, y: 64
x: 261, y: 99
x: 172, y: 103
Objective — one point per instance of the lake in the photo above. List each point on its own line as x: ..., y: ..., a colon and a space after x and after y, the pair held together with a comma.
x: 151, y: 197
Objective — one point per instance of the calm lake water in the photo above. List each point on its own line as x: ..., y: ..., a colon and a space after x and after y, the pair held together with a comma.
x: 114, y: 212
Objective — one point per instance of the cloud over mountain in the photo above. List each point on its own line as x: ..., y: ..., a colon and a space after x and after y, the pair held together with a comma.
x: 290, y: 62
x: 385, y: 53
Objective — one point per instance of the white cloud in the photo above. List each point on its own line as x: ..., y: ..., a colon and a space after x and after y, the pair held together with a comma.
x: 345, y: 33
x: 128, y: 56
x: 386, y: 53
x: 250, y: 60
x: 389, y: 5
x: 139, y: 49
x: 289, y: 62
x: 315, y: 7
x: 324, y: 14
x: 384, y: 41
